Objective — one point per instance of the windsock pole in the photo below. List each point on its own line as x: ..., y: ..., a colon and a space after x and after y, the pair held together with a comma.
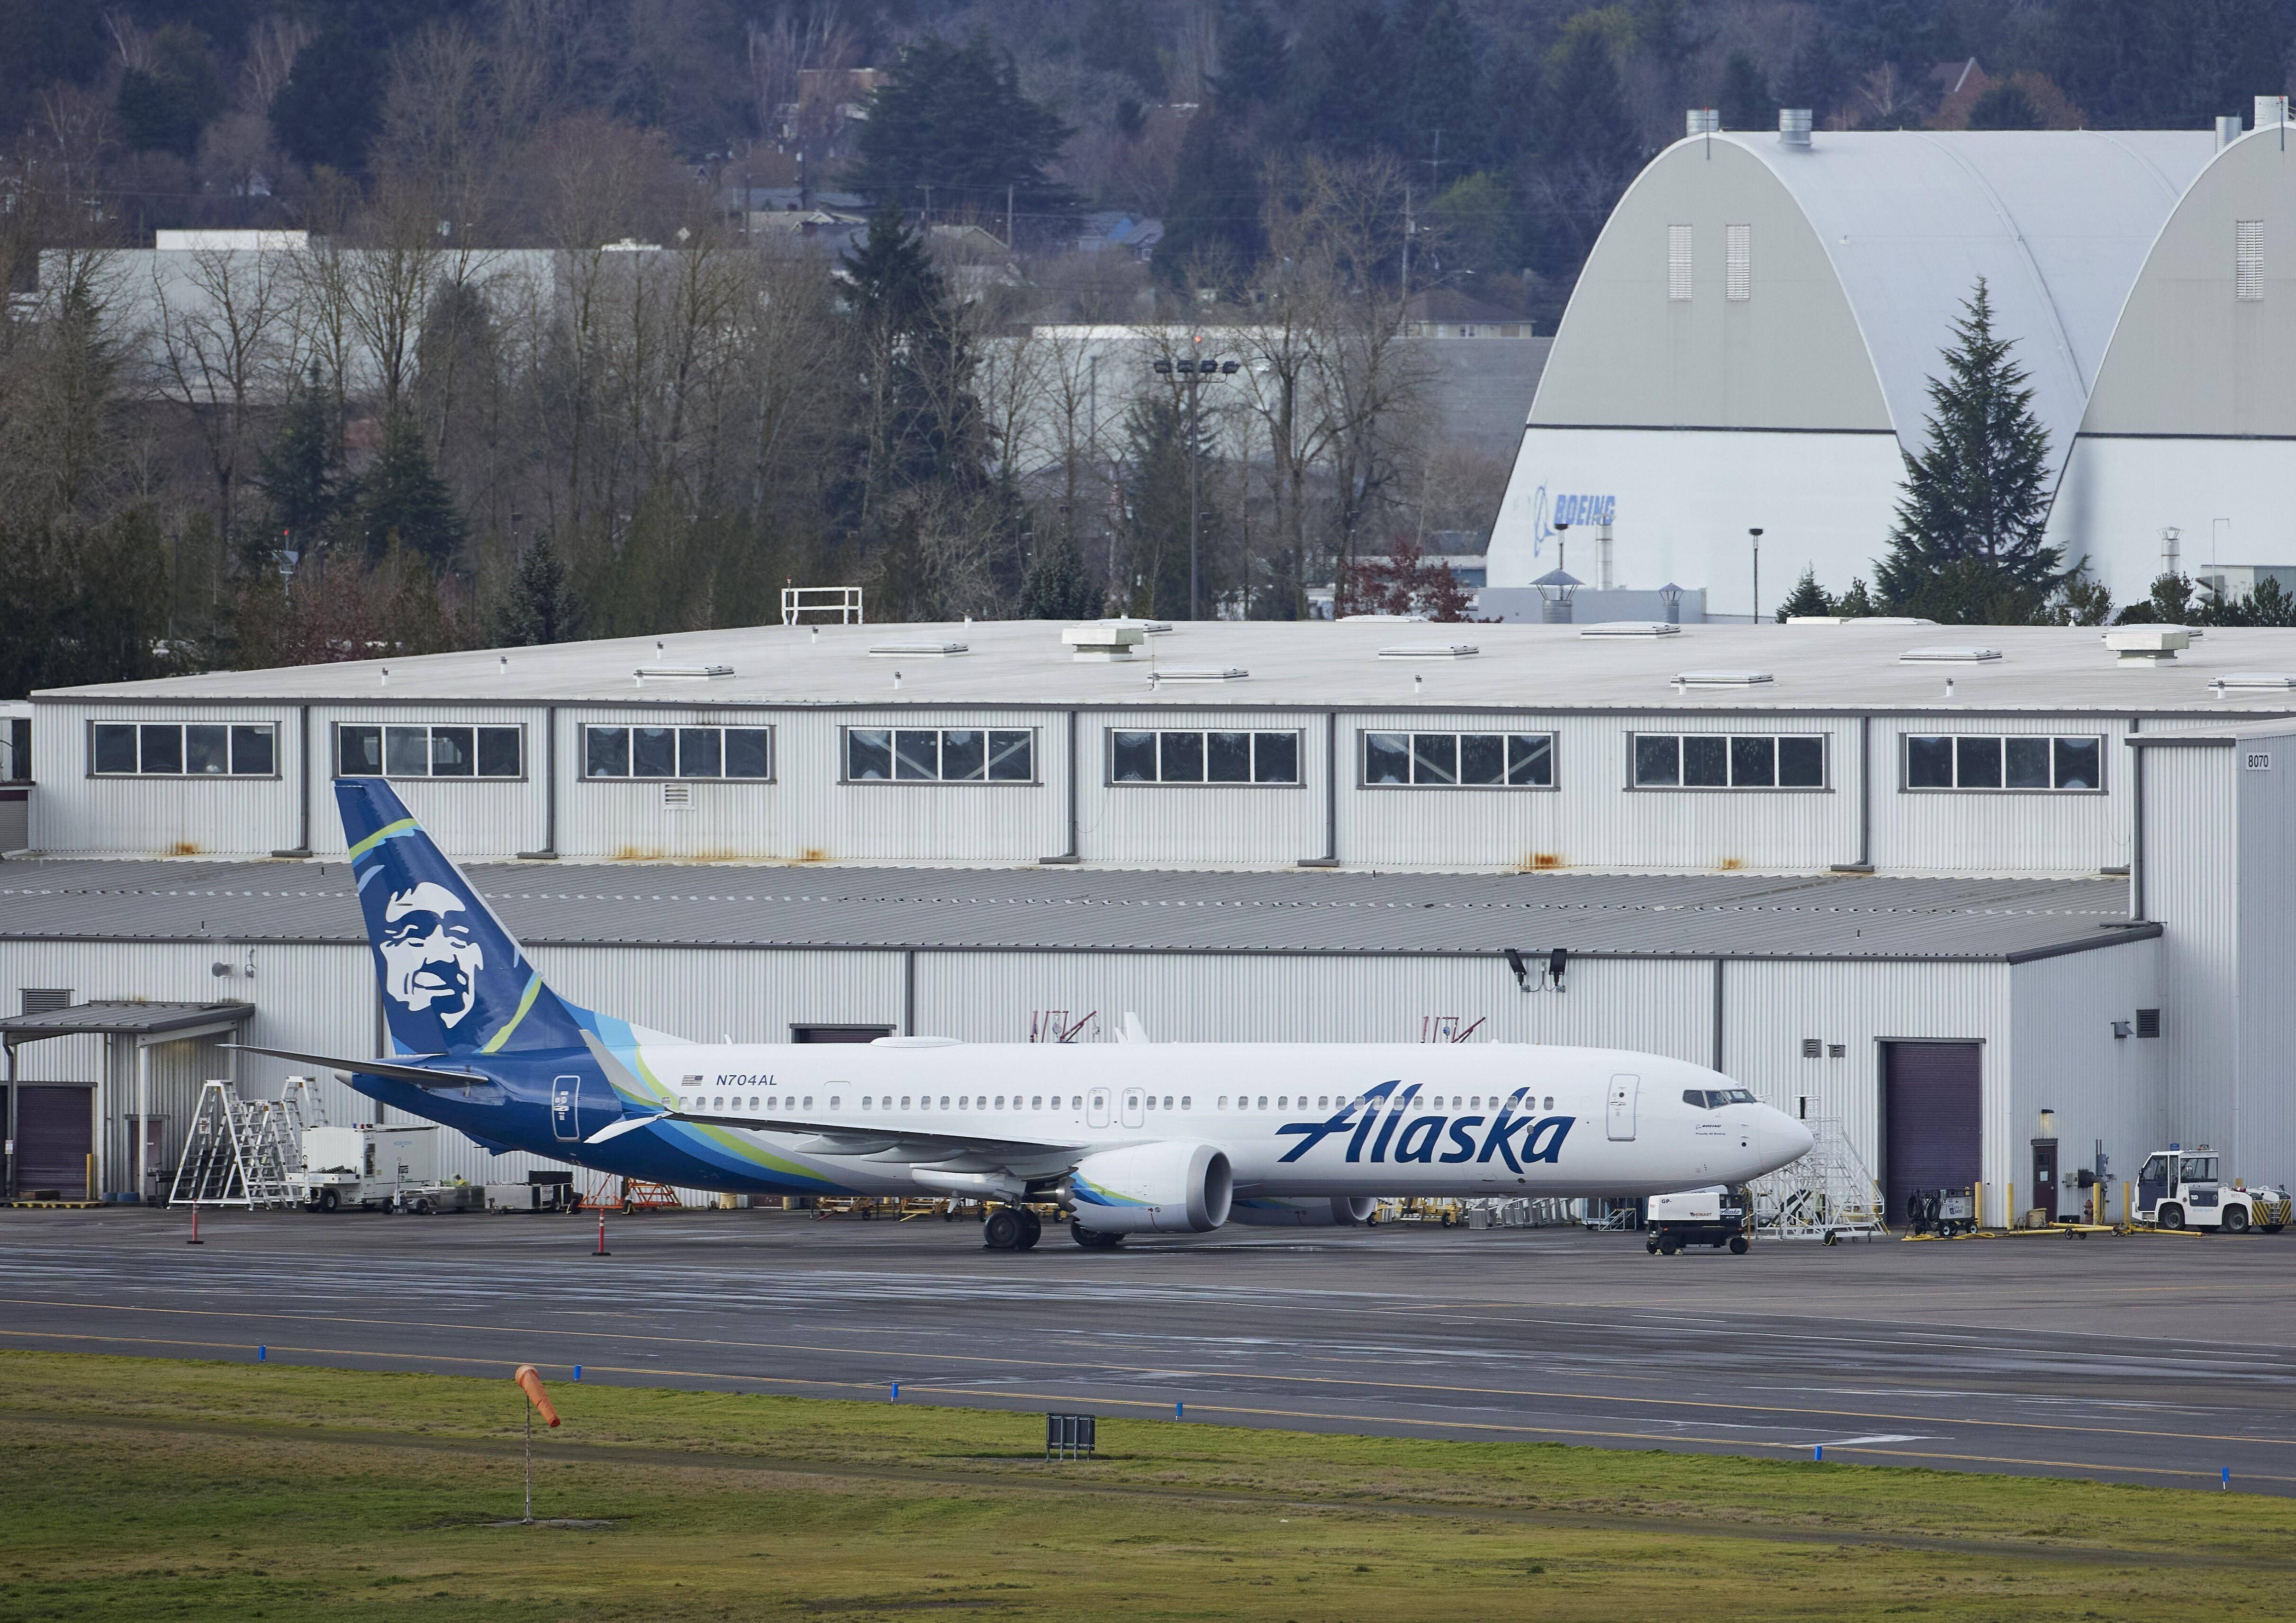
x: 529, y: 1381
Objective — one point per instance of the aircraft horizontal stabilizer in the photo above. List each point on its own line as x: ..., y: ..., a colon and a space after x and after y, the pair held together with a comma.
x: 397, y: 1070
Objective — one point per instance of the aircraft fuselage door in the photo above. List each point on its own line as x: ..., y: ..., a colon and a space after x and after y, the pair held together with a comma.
x: 1096, y: 1111
x: 565, y: 1108
x: 1623, y: 1092
x: 1133, y: 1116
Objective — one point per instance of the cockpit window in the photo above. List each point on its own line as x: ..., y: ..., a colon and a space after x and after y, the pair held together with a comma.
x: 1715, y: 1098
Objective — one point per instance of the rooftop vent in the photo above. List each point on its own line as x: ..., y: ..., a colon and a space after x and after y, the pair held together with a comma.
x: 2253, y: 681
x: 1391, y: 619
x: 1702, y: 121
x: 1817, y: 619
x: 2227, y: 129
x: 1150, y: 627
x: 2271, y: 110
x: 917, y: 650
x: 1948, y: 656
x: 2147, y: 644
x: 1431, y: 650
x: 1099, y: 644
x: 1720, y: 678
x: 1169, y: 674
x: 1793, y: 127
x: 682, y: 672
x: 1631, y: 628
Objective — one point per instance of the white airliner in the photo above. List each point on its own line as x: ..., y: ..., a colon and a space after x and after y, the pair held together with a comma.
x: 1132, y: 1138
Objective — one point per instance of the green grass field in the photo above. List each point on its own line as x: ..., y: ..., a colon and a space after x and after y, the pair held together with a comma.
x: 153, y: 1489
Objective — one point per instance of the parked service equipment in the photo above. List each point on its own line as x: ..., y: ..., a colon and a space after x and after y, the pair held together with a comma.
x: 541, y: 1192
x: 2180, y: 1188
x: 1715, y: 1217
x: 367, y: 1166
x: 1944, y: 1212
x: 425, y: 1200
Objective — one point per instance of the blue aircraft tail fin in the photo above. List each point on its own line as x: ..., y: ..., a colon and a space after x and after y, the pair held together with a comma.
x: 454, y: 980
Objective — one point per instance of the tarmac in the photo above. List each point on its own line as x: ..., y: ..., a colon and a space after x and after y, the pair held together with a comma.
x: 2161, y: 1359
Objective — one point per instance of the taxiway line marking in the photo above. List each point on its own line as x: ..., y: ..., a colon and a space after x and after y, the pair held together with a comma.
x: 1209, y: 1376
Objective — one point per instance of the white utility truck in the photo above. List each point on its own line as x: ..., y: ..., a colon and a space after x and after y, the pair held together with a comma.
x: 2180, y: 1188
x: 365, y: 1166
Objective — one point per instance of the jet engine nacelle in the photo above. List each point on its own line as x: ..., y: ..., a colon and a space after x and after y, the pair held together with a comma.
x: 1338, y: 1211
x: 1162, y: 1188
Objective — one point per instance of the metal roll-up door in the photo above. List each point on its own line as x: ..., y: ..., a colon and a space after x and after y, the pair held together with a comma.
x: 1933, y: 1127
x: 53, y: 1139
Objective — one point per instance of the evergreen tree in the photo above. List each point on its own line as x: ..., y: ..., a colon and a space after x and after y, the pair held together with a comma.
x: 402, y: 502
x: 1254, y: 64
x: 1442, y: 99
x: 1117, y: 37
x: 1156, y: 512
x: 1815, y: 76
x: 1589, y: 149
x: 1347, y: 79
x: 1212, y: 222
x: 1856, y: 603
x: 2269, y: 604
x: 918, y: 420
x: 1745, y: 98
x: 301, y: 469
x: 1807, y: 598
x: 951, y: 131
x: 1978, y: 492
x: 1058, y: 587
x: 540, y: 605
x: 165, y: 107
x: 2005, y: 106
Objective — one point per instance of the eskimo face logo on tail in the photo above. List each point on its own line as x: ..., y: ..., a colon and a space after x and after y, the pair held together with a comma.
x: 430, y: 953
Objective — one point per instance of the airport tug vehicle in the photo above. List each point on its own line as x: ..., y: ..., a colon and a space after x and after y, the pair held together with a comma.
x: 2180, y: 1188
x: 1715, y: 1217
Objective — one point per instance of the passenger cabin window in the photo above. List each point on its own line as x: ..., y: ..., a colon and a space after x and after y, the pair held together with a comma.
x: 1458, y: 760
x: 1737, y: 760
x: 185, y: 749
x: 939, y: 755
x: 1209, y: 757
x: 1964, y: 762
x: 678, y: 752
x: 370, y: 751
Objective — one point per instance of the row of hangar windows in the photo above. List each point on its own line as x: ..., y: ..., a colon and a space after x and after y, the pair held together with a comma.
x: 2050, y: 763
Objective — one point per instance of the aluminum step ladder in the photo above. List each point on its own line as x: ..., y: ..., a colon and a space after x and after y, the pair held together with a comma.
x: 235, y: 1153
x: 1827, y: 1195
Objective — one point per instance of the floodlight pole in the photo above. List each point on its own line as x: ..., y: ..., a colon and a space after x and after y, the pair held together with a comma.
x: 1756, y: 531
x: 1196, y: 408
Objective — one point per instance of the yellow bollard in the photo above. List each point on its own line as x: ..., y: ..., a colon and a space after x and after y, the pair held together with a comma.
x: 2009, y: 1214
x: 2126, y: 1220
x: 1977, y: 1204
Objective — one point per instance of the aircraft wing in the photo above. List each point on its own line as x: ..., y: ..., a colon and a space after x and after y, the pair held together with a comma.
x: 947, y: 1151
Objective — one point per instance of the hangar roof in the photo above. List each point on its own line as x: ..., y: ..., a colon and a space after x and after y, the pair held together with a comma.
x: 2058, y: 222
x: 1847, y: 668
x: 1794, y: 916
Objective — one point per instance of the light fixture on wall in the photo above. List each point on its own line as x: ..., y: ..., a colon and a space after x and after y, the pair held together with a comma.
x: 2048, y: 1122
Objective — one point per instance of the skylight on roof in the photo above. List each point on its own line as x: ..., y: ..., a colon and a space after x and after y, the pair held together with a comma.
x: 1948, y: 656
x: 2259, y: 681
x: 1722, y: 678
x: 1171, y: 674
x: 1631, y: 628
x: 683, y: 673
x: 917, y: 650
x: 1431, y: 650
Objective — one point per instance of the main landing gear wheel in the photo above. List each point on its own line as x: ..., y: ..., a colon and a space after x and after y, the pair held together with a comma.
x: 1091, y: 1238
x: 1002, y: 1230
x: 1032, y: 1228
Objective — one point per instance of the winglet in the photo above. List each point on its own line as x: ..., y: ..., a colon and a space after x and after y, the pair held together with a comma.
x: 1134, y: 1031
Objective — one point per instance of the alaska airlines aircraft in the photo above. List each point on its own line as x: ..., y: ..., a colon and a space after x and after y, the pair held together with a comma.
x: 1129, y: 1138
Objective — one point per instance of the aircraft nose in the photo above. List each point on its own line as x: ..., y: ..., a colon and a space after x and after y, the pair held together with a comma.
x: 1790, y: 1140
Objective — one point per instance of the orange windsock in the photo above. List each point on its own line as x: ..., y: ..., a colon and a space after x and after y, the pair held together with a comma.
x: 530, y: 1383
